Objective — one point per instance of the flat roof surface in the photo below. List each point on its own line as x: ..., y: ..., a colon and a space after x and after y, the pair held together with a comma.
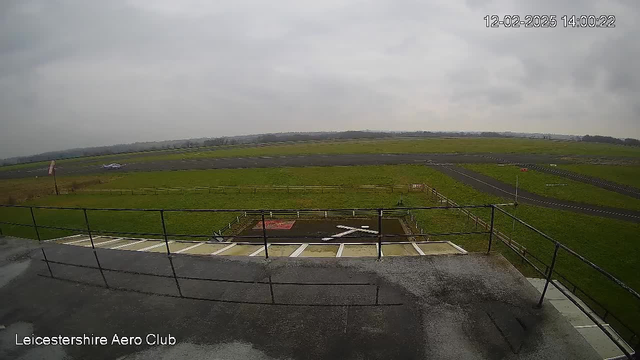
x: 420, y: 307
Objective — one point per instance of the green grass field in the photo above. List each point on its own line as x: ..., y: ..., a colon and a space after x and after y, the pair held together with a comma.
x: 535, y: 182
x: 369, y: 175
x: 625, y: 175
x: 397, y: 146
x: 19, y: 190
x: 442, y: 145
x: 609, y: 243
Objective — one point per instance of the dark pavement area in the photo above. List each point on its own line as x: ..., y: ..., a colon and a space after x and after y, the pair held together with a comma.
x: 495, y: 187
x: 281, y: 161
x: 307, y: 230
x: 427, y: 307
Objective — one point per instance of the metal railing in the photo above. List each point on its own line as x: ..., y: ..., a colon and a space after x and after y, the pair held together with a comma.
x: 549, y: 272
x: 378, y: 238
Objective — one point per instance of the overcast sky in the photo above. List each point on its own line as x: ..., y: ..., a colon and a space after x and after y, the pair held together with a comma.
x: 89, y: 73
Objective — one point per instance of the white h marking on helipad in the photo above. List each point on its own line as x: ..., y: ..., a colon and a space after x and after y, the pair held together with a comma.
x: 350, y: 230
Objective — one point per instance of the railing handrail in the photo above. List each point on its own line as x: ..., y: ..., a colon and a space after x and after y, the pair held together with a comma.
x: 259, y: 210
x: 574, y: 253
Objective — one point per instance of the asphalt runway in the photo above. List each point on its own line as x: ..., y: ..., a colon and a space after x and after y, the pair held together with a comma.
x: 287, y: 161
x: 439, y: 161
x: 495, y: 187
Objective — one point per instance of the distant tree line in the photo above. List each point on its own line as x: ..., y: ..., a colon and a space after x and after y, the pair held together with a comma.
x: 220, y: 141
x: 611, y: 140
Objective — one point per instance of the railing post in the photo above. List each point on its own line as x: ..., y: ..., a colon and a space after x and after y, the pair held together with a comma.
x: 93, y: 247
x: 264, y: 236
x: 166, y: 243
x: 493, y: 214
x: 35, y: 227
x: 379, y: 234
x: 549, y: 275
x: 164, y: 232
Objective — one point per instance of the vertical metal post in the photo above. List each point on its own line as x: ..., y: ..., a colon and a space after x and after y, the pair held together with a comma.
x: 55, y: 181
x: 35, y: 227
x: 166, y: 243
x: 264, y: 236
x: 379, y: 234
x: 93, y: 247
x: 164, y: 232
x: 493, y: 214
x: 549, y: 274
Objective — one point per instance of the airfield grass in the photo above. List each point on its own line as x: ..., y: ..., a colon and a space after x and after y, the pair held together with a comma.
x: 336, y: 175
x: 625, y: 175
x: 612, y: 244
x: 13, y: 191
x: 403, y: 146
x: 374, y: 146
x: 535, y: 182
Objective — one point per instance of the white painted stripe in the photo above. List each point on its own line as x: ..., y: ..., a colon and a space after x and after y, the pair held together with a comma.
x: 223, y: 249
x: 415, y: 246
x: 344, y: 233
x: 75, y: 242
x: 259, y: 250
x: 585, y: 326
x: 357, y: 229
x: 125, y: 245
x: 154, y: 246
x: 340, y: 250
x: 463, y: 251
x: 107, y: 242
x: 64, y: 238
x: 588, y: 326
x: 188, y: 248
x: 299, y: 250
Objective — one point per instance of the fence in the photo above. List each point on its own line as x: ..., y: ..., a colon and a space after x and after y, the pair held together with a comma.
x: 378, y: 237
x: 223, y: 189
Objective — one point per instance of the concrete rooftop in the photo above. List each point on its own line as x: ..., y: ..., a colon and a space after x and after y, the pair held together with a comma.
x: 422, y: 307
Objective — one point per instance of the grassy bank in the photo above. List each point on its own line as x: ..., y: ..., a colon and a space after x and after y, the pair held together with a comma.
x: 15, y: 191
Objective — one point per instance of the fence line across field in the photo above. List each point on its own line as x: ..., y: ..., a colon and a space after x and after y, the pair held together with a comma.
x: 393, y: 188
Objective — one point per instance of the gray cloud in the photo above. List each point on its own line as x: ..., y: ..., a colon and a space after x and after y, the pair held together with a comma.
x: 80, y: 73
